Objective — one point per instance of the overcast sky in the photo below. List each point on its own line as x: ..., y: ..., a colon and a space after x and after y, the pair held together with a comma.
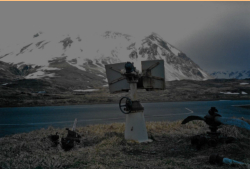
x: 215, y: 35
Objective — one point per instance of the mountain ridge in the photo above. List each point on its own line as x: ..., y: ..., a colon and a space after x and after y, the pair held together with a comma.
x: 42, y: 56
x: 243, y: 74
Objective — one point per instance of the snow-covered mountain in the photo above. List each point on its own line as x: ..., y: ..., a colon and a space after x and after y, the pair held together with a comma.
x: 46, y: 55
x: 244, y: 74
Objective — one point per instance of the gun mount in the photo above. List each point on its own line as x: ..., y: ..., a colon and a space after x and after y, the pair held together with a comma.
x: 214, y: 120
x: 125, y: 77
x: 130, y: 106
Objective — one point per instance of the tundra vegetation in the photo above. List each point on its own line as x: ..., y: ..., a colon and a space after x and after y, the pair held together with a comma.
x: 26, y: 92
x: 104, y: 146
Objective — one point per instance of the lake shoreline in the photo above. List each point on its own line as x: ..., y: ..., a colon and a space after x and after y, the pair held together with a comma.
x: 25, y: 119
x: 101, y: 103
x: 175, y: 91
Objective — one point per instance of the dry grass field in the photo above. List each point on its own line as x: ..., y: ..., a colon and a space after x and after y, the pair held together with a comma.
x: 104, y: 146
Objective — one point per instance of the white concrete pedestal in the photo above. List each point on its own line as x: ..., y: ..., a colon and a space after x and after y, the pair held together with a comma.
x: 135, y: 128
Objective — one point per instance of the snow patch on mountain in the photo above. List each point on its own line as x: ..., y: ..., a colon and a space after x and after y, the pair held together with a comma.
x: 86, y: 90
x: 48, y: 68
x: 244, y: 83
x: 100, y: 75
x: 228, y: 93
x: 39, y: 74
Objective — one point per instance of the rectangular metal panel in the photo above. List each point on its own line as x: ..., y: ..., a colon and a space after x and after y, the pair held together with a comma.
x: 154, y: 74
x: 117, y: 82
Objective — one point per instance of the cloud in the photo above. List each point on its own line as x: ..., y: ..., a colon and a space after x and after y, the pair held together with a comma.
x: 225, y: 45
x: 213, y: 34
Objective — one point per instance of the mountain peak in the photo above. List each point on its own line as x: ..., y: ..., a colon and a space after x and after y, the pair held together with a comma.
x: 155, y: 35
x: 91, y: 54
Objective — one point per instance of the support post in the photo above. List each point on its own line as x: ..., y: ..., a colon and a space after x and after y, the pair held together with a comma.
x: 133, y: 90
x: 135, y: 128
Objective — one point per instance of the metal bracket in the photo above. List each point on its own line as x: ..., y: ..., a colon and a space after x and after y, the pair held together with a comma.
x: 147, y: 71
x: 153, y: 66
x: 118, y: 71
x: 136, y: 107
x: 157, y: 78
x: 117, y: 80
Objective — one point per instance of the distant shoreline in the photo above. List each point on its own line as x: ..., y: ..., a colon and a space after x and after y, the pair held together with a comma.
x: 244, y: 106
x: 175, y: 91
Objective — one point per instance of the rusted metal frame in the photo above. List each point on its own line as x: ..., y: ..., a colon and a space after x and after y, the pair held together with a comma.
x: 117, y: 80
x: 157, y: 78
x: 150, y: 68
x: 153, y: 66
x: 118, y: 71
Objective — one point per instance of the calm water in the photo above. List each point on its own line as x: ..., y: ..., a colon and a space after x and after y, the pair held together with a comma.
x: 25, y: 119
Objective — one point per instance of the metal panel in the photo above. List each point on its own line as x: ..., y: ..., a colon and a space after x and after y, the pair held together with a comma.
x: 117, y: 82
x: 153, y: 74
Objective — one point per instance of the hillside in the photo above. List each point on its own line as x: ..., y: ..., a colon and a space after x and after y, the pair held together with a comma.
x: 29, y: 92
x: 79, y: 60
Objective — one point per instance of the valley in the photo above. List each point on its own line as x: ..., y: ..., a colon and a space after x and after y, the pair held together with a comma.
x: 50, y: 70
x: 38, y: 92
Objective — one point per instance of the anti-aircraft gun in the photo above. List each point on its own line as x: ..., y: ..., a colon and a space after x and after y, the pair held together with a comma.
x: 124, y: 77
x: 214, y: 120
